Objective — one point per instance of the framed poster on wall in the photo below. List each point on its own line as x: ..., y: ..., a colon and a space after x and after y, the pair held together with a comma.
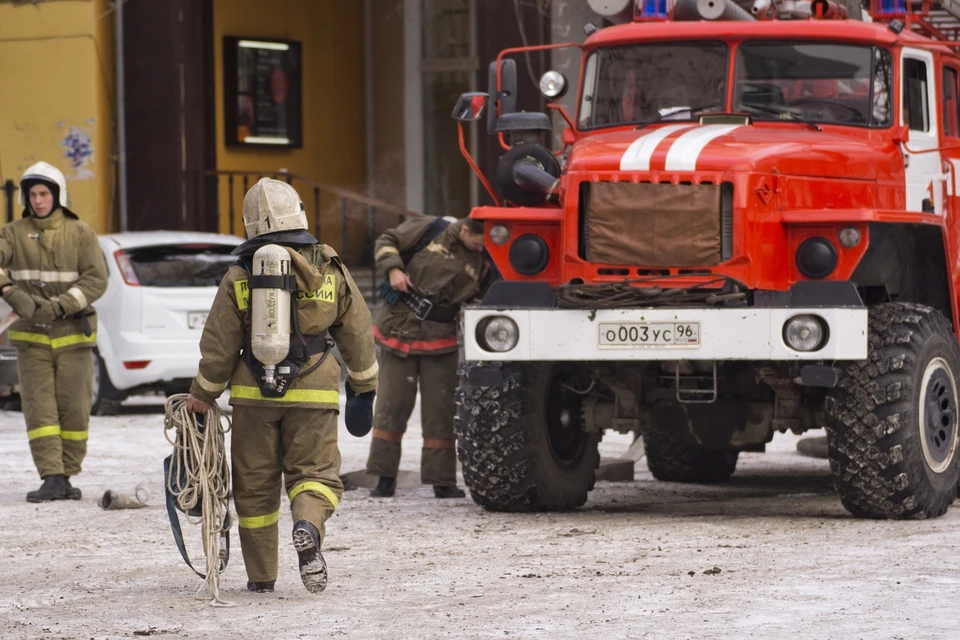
x: 262, y: 92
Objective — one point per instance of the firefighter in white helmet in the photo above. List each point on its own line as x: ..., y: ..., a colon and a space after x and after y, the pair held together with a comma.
x: 267, y: 339
x: 53, y: 270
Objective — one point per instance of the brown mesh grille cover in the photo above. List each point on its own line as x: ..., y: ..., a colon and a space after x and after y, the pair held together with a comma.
x: 657, y: 225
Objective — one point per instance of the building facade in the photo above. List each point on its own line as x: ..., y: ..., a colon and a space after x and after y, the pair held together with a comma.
x: 156, y: 111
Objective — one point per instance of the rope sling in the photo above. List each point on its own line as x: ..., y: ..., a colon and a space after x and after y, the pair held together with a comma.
x: 197, y: 477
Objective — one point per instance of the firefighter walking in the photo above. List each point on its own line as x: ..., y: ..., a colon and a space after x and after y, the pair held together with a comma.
x: 285, y: 398
x: 53, y: 271
x: 432, y: 271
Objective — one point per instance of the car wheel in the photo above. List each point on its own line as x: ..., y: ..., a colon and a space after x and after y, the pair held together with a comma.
x: 11, y: 403
x: 106, y: 397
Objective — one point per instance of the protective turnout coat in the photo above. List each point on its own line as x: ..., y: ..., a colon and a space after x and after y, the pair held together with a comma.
x: 55, y: 258
x: 327, y: 299
x: 445, y: 271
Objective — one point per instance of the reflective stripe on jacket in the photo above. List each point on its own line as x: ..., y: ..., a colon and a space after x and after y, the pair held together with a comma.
x: 55, y: 258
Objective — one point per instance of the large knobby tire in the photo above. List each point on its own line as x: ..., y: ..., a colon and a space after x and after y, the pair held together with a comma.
x: 892, y: 419
x: 521, y: 443
x: 671, y: 460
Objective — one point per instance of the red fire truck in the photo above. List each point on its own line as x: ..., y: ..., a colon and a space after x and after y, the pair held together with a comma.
x: 751, y: 228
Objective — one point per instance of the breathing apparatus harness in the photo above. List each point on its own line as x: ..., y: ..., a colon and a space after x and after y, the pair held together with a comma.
x: 275, y: 349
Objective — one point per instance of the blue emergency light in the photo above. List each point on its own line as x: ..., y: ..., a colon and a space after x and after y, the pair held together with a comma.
x: 654, y: 10
x: 888, y: 8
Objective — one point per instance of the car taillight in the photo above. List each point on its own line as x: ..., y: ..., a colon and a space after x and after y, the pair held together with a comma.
x: 135, y: 364
x: 126, y: 269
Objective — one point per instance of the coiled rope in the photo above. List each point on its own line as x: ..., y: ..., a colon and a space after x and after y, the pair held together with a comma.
x: 200, y: 474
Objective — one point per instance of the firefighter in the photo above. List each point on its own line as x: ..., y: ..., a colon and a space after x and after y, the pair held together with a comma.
x: 53, y: 270
x: 286, y: 431
x: 446, y: 267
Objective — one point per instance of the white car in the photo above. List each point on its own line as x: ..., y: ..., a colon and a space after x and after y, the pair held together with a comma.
x: 161, y: 287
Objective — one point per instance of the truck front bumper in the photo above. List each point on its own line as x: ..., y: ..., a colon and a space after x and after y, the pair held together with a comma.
x: 748, y: 333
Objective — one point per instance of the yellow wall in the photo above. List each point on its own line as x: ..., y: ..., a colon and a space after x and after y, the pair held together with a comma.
x: 56, y: 70
x: 331, y: 33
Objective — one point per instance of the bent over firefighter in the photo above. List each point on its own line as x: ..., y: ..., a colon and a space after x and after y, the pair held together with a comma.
x: 433, y: 267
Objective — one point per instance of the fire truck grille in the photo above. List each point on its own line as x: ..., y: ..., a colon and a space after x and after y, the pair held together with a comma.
x: 656, y: 225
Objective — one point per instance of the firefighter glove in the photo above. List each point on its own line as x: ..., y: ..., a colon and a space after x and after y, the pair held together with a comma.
x: 47, y: 310
x: 359, y: 412
x: 390, y: 295
x: 20, y: 301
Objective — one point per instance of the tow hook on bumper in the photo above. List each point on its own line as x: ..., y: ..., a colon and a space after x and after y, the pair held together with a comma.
x: 819, y: 376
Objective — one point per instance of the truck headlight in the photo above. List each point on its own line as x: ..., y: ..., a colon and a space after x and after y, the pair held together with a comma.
x: 529, y: 254
x: 498, y: 333
x: 816, y: 257
x: 805, y: 333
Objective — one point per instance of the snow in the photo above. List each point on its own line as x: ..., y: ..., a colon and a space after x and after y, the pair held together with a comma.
x: 791, y: 562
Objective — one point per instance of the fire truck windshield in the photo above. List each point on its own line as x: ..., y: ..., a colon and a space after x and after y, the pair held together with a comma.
x: 641, y: 83
x: 821, y: 82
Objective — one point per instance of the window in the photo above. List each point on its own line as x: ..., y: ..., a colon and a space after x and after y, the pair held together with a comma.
x: 644, y: 83
x: 186, y: 265
x: 448, y: 68
x: 826, y: 82
x: 915, y: 105
x: 951, y: 103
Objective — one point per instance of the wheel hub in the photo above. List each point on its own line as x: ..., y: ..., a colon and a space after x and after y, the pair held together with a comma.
x: 564, y: 423
x: 938, y: 416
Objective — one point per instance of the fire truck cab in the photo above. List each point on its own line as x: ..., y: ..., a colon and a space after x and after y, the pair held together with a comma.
x: 751, y: 228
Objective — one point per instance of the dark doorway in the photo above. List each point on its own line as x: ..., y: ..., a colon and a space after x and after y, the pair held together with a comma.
x: 169, y: 111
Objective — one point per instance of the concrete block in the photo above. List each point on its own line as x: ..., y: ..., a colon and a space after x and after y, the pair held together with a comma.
x: 615, y: 470
x: 636, y: 451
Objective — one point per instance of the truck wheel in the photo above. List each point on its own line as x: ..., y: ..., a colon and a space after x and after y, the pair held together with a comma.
x: 106, y: 398
x: 520, y: 439
x: 670, y: 460
x: 892, y: 419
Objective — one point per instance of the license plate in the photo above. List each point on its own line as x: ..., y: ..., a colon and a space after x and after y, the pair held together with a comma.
x: 196, y: 319
x: 649, y: 334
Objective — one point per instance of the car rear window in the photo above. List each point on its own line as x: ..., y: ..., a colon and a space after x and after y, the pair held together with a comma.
x: 181, y: 265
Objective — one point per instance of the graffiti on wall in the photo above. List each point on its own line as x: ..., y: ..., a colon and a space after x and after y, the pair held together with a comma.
x: 78, y: 150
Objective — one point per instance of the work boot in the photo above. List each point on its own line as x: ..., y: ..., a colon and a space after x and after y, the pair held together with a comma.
x: 448, y: 491
x: 313, y: 568
x: 53, y: 488
x: 73, y: 493
x: 261, y: 587
x: 384, y: 488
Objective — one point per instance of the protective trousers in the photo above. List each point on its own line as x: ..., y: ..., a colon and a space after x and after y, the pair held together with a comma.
x: 56, y: 393
x: 396, y: 396
x: 297, y: 447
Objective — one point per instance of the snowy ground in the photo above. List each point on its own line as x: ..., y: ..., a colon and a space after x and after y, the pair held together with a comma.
x: 631, y: 564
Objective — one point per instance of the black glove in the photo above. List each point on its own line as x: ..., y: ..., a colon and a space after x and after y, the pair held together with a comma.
x: 20, y: 301
x: 388, y: 293
x: 359, y: 412
x: 47, y: 310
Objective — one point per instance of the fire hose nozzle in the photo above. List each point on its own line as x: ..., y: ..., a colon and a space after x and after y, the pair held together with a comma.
x: 111, y: 500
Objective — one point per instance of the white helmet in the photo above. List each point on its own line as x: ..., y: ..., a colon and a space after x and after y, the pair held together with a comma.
x: 272, y: 205
x: 43, y: 172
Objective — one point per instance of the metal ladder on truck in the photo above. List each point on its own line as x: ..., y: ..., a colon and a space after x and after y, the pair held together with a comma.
x: 935, y: 19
